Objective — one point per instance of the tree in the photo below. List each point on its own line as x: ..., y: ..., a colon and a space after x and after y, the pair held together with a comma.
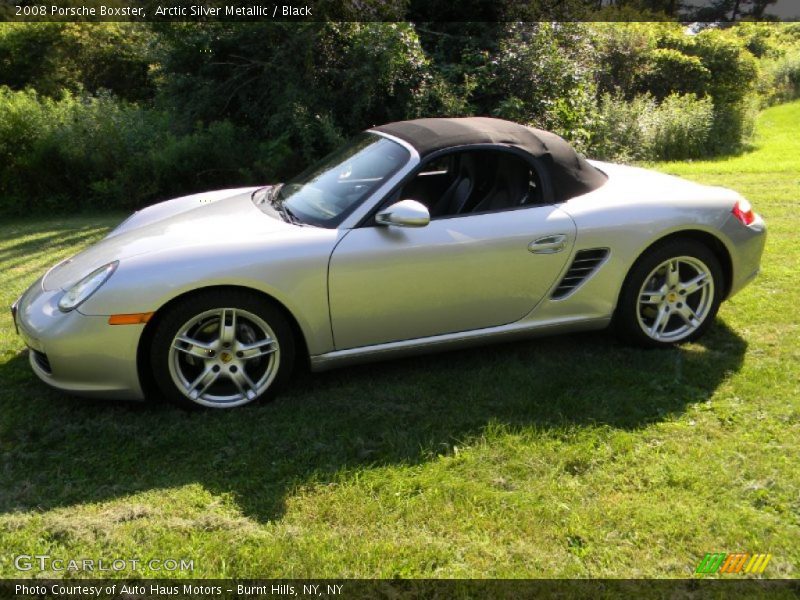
x: 56, y: 57
x: 300, y: 87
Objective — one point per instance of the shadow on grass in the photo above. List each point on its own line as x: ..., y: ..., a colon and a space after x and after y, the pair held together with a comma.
x: 58, y: 451
x: 57, y: 226
x: 747, y: 147
x: 54, y: 241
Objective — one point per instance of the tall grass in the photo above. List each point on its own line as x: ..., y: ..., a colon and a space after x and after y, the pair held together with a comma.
x: 643, y: 129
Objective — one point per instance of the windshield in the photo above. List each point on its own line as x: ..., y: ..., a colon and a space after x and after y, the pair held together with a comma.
x: 327, y: 192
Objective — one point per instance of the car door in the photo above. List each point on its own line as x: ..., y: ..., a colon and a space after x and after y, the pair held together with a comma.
x: 460, y: 273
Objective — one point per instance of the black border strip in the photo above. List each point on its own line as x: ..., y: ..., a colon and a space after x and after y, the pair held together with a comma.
x: 346, y: 589
x: 386, y: 10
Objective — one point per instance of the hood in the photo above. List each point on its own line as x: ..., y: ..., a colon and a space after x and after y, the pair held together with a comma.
x: 214, y: 218
x: 170, y: 208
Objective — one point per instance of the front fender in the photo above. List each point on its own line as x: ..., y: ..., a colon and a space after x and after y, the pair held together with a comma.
x: 294, y: 273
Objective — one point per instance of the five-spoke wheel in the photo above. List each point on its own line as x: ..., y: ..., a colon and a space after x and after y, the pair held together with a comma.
x: 675, y: 298
x: 671, y: 295
x: 221, y: 350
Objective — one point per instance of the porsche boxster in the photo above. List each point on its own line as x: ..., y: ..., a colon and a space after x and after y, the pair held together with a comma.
x: 415, y: 236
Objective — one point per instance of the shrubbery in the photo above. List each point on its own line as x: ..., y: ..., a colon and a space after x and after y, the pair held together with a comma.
x: 669, y: 71
x: 121, y: 115
x: 300, y: 88
x: 541, y: 74
x: 95, y: 151
x: 663, y: 60
x: 54, y: 58
x: 643, y: 129
x: 781, y: 79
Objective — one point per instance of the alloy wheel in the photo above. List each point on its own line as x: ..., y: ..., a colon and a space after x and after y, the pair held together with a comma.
x: 224, y: 357
x: 675, y: 299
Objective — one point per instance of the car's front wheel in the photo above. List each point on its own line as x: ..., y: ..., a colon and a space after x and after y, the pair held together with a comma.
x: 221, y: 349
x: 671, y: 295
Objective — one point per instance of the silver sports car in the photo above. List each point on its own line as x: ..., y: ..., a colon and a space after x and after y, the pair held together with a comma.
x: 415, y: 236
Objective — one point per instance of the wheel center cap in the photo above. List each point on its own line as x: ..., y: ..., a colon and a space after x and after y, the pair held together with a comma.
x: 672, y: 297
x: 225, y: 357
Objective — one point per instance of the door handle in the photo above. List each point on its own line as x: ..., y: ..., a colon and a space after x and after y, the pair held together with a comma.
x: 549, y: 244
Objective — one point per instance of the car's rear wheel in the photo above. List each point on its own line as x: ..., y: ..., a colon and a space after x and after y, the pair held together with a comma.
x: 671, y: 295
x: 222, y: 349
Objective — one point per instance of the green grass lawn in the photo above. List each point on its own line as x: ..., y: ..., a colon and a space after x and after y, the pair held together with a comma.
x: 565, y: 457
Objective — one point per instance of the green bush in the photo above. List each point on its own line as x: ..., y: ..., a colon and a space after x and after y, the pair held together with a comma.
x: 541, y: 75
x: 622, y: 54
x: 74, y: 57
x: 167, y: 165
x: 780, y: 81
x: 619, y: 133
x: 733, y: 69
x: 27, y: 121
x: 97, y: 152
x: 643, y: 129
x: 68, y: 153
x: 680, y: 127
x: 297, y: 86
x: 669, y: 71
x: 663, y: 59
x: 120, y: 114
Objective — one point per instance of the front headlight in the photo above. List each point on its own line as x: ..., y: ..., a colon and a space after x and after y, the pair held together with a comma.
x: 87, y: 286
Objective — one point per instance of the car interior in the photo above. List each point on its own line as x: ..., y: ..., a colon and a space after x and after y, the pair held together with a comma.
x: 474, y: 181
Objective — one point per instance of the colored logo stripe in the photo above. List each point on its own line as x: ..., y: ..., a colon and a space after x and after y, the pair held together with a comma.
x: 758, y: 563
x: 711, y: 562
x: 738, y: 562
x: 734, y: 562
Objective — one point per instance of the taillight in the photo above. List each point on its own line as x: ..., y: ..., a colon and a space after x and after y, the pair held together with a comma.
x: 744, y: 212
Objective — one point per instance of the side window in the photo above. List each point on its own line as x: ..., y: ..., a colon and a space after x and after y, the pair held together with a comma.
x: 431, y: 183
x: 474, y: 181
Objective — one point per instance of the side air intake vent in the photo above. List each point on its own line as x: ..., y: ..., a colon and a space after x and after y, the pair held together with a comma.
x: 583, y: 265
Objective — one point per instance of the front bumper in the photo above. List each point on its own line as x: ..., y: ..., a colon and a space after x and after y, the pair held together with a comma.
x: 76, y: 353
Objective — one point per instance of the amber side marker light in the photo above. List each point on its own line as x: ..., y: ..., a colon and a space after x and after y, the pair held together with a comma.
x: 133, y: 319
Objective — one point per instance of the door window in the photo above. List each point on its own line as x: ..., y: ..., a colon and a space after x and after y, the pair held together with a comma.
x: 474, y: 181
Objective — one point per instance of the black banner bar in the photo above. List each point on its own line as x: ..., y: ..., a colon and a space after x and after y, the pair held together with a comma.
x: 395, y: 589
x: 395, y: 10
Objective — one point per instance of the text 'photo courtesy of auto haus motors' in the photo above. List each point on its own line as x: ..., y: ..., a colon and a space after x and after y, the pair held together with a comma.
x: 415, y: 236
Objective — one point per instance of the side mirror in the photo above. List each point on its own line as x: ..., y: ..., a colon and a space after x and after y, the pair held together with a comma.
x: 406, y: 213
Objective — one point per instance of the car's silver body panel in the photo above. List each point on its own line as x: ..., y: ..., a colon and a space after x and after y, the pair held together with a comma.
x: 88, y: 357
x: 454, y: 275
x: 362, y: 293
x: 230, y: 242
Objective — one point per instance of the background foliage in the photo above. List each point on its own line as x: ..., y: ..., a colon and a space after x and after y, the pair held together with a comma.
x: 122, y: 115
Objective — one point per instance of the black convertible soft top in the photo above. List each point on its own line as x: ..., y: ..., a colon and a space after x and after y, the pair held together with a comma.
x: 571, y: 175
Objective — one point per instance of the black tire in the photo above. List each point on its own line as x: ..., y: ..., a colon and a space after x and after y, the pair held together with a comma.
x: 627, y: 318
x: 249, y: 308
